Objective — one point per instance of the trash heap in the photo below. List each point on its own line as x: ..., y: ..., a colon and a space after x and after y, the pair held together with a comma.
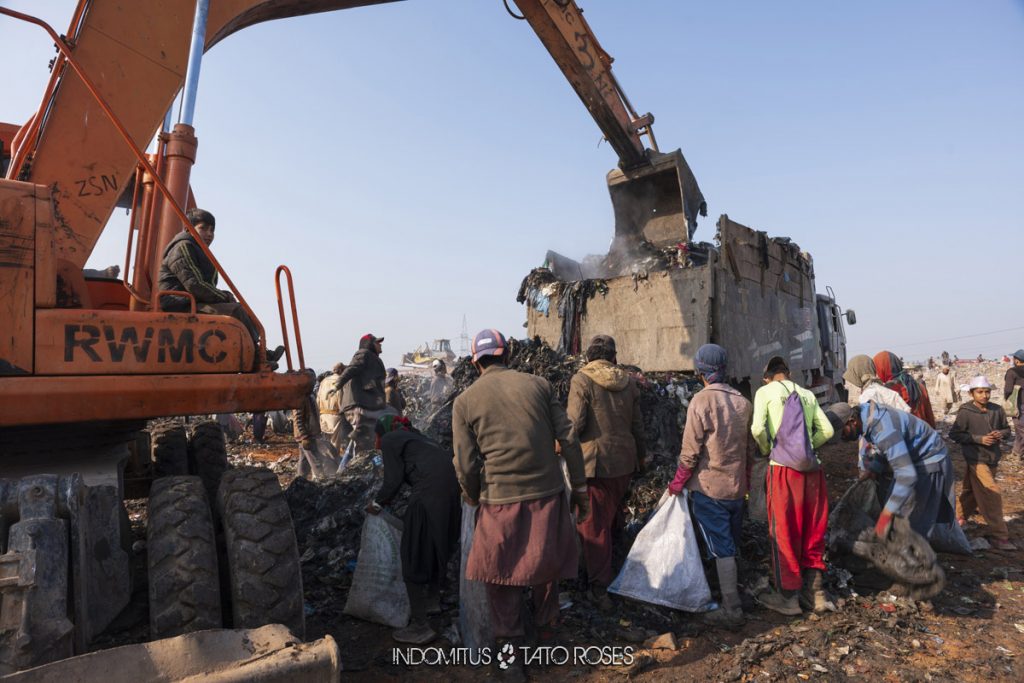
x: 328, y: 518
x: 415, y: 389
x: 541, y: 284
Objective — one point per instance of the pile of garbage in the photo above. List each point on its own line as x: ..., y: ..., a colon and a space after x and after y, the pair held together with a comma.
x: 328, y: 518
x: 641, y: 256
x: 541, y: 284
x: 415, y: 390
x: 847, y: 648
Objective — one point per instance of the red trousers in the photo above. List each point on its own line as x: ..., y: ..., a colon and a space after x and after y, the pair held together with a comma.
x: 797, y: 520
x: 606, y: 496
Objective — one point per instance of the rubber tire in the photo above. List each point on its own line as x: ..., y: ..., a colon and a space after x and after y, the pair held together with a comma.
x: 262, y: 554
x: 184, y: 585
x: 169, y: 448
x: 208, y: 455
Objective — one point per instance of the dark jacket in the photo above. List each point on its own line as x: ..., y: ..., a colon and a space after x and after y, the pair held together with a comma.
x: 971, y: 424
x: 604, y: 406
x: 1014, y: 378
x: 185, y: 268
x: 504, y: 428
x: 412, y: 458
x: 366, y: 374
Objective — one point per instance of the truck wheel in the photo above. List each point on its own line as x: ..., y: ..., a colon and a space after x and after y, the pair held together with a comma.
x: 207, y: 455
x: 263, y: 557
x: 184, y: 586
x: 170, y: 450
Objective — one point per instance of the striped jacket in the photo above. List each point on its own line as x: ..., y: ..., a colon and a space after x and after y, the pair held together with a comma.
x: 906, y: 445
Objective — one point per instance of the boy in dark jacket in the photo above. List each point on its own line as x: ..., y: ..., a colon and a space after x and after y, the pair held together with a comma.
x: 979, y: 427
x: 186, y: 268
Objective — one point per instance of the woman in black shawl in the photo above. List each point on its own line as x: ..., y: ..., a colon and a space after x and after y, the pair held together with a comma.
x: 432, y: 521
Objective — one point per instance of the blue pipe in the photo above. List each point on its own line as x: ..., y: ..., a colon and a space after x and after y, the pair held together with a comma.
x: 195, y: 60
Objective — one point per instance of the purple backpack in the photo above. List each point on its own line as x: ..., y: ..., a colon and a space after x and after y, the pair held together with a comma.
x: 792, y: 446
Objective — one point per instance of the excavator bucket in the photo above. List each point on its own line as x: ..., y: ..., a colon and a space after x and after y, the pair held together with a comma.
x: 656, y: 202
x: 269, y: 654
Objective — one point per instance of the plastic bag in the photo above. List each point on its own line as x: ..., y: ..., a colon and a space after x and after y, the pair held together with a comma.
x: 663, y: 566
x: 474, y: 607
x: 378, y: 592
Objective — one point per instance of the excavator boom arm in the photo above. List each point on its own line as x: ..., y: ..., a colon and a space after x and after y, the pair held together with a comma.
x: 565, y: 33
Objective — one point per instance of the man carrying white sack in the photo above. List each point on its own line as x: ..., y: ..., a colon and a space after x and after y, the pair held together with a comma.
x: 717, y: 454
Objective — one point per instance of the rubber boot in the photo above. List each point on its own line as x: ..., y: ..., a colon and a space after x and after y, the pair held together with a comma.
x: 783, y: 602
x: 418, y: 632
x: 730, y: 614
x: 813, y: 595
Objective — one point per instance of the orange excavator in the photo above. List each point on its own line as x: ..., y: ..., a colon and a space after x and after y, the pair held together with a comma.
x: 86, y: 361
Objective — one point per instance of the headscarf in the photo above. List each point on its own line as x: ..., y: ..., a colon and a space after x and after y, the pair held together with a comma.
x: 393, y: 423
x: 890, y: 370
x: 860, y: 371
x: 711, y: 361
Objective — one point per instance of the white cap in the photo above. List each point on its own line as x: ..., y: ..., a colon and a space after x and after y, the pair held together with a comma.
x: 979, y: 382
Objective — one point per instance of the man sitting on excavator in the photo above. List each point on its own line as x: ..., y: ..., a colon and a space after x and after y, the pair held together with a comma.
x: 185, y: 268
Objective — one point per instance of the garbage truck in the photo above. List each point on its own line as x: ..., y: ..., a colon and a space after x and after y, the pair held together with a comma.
x: 663, y: 295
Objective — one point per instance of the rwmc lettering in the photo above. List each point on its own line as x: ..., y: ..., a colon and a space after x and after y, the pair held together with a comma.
x: 166, y: 346
x: 109, y: 344
x: 129, y: 335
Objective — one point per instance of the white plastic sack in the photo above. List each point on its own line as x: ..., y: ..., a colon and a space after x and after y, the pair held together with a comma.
x: 378, y: 591
x: 474, y: 607
x: 663, y: 566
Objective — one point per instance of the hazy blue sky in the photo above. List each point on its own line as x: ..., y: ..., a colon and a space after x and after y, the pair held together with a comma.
x: 411, y: 162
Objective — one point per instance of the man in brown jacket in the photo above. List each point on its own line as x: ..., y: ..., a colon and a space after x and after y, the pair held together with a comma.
x: 604, y: 406
x: 504, y: 429
x: 714, y: 465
